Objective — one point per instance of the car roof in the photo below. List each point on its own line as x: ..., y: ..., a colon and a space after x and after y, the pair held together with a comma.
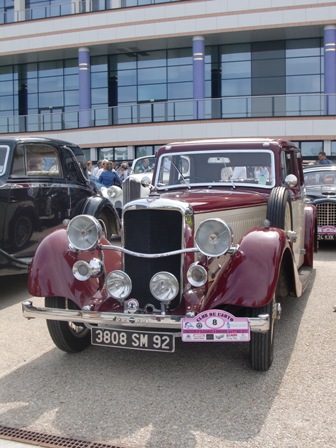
x: 313, y: 169
x: 35, y: 139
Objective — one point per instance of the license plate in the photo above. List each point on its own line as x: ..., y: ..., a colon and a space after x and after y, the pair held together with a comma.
x: 323, y: 237
x: 136, y: 340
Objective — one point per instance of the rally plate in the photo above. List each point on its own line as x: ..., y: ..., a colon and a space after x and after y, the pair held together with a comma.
x: 136, y: 340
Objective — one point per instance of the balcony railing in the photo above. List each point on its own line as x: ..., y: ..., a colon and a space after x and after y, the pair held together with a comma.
x: 75, y: 7
x: 173, y: 111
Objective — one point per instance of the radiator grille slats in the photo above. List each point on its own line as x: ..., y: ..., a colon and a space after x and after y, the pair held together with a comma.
x: 326, y: 214
x: 151, y: 231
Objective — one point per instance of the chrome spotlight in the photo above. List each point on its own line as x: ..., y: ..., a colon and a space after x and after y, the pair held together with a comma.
x: 213, y: 237
x: 84, y: 232
x: 118, y: 284
x: 83, y: 270
x: 197, y: 275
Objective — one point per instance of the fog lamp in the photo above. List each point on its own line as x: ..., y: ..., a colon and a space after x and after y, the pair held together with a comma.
x: 164, y: 286
x: 84, y: 232
x: 213, y: 237
x: 118, y: 284
x: 197, y: 275
x: 83, y: 270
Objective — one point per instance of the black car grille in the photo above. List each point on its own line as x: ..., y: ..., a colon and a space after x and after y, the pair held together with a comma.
x: 151, y: 231
x: 326, y: 214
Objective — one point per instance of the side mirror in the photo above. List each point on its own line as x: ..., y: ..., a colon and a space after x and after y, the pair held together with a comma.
x: 291, y: 181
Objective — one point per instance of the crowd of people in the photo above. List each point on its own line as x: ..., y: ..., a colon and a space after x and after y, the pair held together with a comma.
x: 108, y: 173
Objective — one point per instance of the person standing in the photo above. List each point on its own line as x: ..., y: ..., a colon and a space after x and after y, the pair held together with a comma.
x: 322, y: 159
x: 109, y: 177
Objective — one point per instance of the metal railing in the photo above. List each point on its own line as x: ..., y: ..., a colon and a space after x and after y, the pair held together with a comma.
x: 173, y: 111
x: 75, y: 7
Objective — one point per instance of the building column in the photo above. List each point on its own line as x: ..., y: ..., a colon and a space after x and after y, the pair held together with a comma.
x: 330, y: 69
x: 84, y: 87
x: 198, y: 76
x: 19, y: 10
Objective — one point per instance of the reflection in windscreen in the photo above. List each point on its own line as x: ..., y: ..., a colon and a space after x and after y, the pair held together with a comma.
x: 3, y: 159
x: 220, y: 167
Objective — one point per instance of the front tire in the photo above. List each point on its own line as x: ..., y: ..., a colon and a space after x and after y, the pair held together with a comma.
x: 262, y: 344
x: 70, y: 337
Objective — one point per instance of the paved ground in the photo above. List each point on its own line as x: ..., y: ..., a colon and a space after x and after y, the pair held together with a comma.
x: 199, y: 397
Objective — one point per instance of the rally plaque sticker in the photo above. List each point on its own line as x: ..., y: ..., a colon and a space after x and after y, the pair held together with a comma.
x: 215, y: 326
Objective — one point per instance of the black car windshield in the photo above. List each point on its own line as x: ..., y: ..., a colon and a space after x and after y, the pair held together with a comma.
x: 221, y: 167
x: 4, y: 151
x: 316, y: 179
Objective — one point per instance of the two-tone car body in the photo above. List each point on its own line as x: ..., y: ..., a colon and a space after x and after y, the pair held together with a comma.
x: 225, y: 234
x: 42, y: 183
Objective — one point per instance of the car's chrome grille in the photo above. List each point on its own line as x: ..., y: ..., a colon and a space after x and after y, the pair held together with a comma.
x: 151, y: 231
x: 326, y: 214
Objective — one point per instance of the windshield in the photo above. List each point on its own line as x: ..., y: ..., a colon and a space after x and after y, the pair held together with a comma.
x: 228, y: 167
x: 144, y: 165
x: 320, y: 178
x: 4, y: 151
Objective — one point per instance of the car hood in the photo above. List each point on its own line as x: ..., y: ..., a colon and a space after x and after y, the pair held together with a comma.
x: 321, y: 191
x: 205, y: 200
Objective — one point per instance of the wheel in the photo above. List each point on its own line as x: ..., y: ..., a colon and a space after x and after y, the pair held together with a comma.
x: 262, y: 344
x: 71, y: 337
x: 279, y: 209
x: 22, y: 231
x: 106, y: 224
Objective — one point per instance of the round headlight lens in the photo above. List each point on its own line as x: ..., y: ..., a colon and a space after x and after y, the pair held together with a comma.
x: 164, y: 286
x: 197, y: 275
x: 118, y: 284
x: 84, y: 232
x: 213, y: 237
x: 113, y: 191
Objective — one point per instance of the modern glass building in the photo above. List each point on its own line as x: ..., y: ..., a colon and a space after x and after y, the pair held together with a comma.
x: 122, y: 77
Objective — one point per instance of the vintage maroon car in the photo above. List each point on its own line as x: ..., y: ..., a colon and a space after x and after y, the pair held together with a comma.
x: 225, y: 234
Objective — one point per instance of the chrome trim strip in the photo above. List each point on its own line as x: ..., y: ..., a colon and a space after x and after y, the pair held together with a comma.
x: 260, y: 324
x: 141, y: 255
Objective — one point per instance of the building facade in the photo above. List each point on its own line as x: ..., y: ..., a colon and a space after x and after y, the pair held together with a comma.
x: 122, y: 77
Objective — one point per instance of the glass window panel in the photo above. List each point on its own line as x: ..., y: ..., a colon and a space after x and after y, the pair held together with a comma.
x: 268, y: 86
x: 303, y: 66
x: 71, y: 98
x: 31, y: 70
x: 127, y: 77
x: 50, y: 100
x: 304, y: 105
x: 142, y: 151
x: 303, y: 84
x: 152, y: 92
x: 233, y: 87
x: 6, y: 103
x: 181, y: 110
x: 263, y: 68
x: 236, y: 52
x: 152, y: 75
x: 241, y: 69
x: 152, y: 59
x: 268, y: 50
x: 235, y: 107
x: 99, y: 79
x: 6, y: 73
x: 6, y: 87
x: 333, y: 148
x: 180, y: 56
x: 99, y: 96
x: 50, y: 68
x: 311, y: 148
x: 71, y: 82
x: 54, y: 83
x: 123, y: 61
x: 99, y: 64
x: 32, y: 85
x: 71, y: 67
x: 303, y: 47
x: 180, y: 90
x: 32, y: 102
x: 180, y: 73
x: 127, y: 94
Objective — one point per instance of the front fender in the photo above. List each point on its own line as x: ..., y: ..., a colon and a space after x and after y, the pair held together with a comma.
x: 97, y: 204
x: 310, y: 242
x: 50, y: 272
x: 250, y: 278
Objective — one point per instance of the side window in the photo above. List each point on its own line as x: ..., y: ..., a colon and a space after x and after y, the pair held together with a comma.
x: 286, y: 165
x: 42, y: 160
x: 19, y: 162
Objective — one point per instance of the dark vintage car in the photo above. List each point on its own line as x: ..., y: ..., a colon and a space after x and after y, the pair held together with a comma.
x: 224, y: 235
x: 321, y: 190
x: 42, y: 183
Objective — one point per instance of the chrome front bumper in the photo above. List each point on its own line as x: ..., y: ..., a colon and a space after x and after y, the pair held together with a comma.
x: 260, y: 324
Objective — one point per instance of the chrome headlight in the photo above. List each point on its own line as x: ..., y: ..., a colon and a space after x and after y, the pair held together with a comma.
x: 118, y: 284
x: 114, y: 191
x: 197, y: 275
x: 164, y: 286
x: 83, y: 270
x: 84, y: 232
x: 213, y: 237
